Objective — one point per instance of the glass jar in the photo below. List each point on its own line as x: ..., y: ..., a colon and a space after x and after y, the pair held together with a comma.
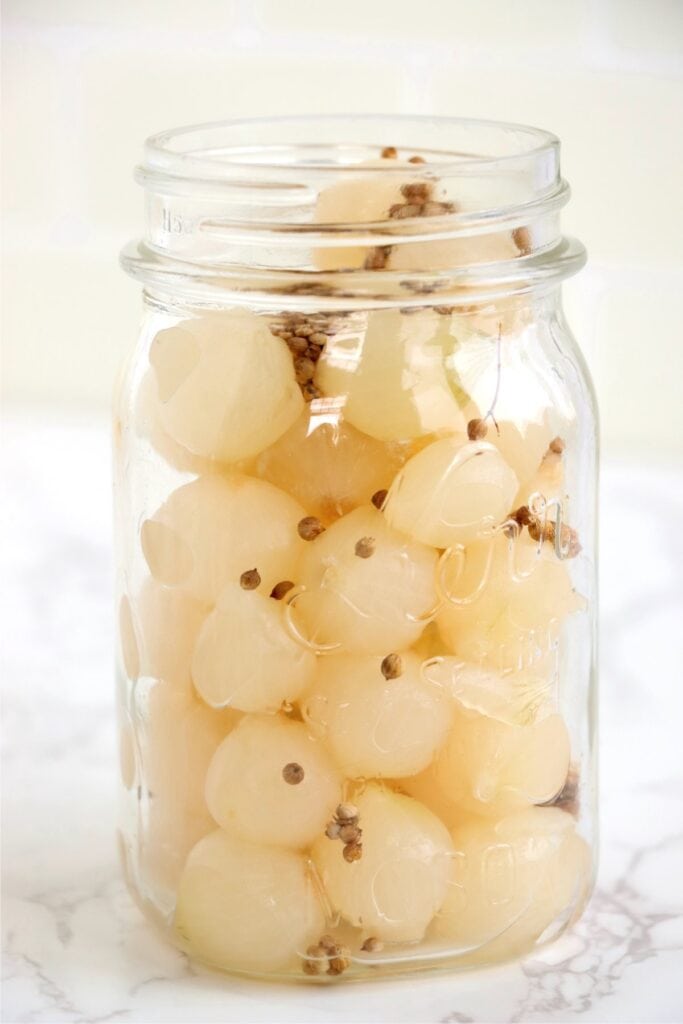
x: 355, y: 461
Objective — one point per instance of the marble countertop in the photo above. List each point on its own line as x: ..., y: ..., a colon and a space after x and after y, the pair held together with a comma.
x: 76, y: 949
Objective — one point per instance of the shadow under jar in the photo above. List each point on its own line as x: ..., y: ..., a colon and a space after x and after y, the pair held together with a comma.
x: 355, y: 459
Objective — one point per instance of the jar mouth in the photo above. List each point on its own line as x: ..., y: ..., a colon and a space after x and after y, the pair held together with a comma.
x: 335, y: 144
x: 238, y: 199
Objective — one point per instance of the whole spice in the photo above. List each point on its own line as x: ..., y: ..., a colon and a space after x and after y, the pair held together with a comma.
x: 353, y: 852
x: 418, y: 203
x: 569, y: 544
x: 293, y: 773
x: 365, y: 547
x: 522, y: 516
x: 377, y: 258
x: 310, y: 391
x: 347, y: 812
x: 417, y: 192
x: 539, y: 531
x: 339, y: 960
x: 556, y: 446
x: 297, y: 346
x: 378, y: 498
x: 392, y: 666
x: 250, y: 579
x: 372, y: 945
x: 310, y: 527
x: 306, y: 337
x: 326, y: 952
x: 304, y: 368
x: 309, y: 966
x: 350, y: 833
x: 345, y: 828
x: 389, y: 153
x: 316, y: 958
x: 281, y: 589
x: 477, y: 430
x: 522, y: 239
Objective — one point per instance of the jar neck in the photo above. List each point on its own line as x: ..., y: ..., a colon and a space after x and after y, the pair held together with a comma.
x: 332, y: 213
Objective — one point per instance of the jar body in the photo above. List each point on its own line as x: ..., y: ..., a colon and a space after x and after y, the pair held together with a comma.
x: 356, y: 571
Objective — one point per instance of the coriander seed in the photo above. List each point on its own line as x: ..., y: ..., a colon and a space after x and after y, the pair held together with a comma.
x: 347, y: 812
x: 401, y: 211
x: 350, y: 833
x: 522, y: 239
x: 522, y: 516
x: 392, y: 666
x: 372, y: 945
x: 418, y: 191
x: 377, y: 258
x: 353, y: 852
x: 311, y: 966
x: 310, y: 527
x: 539, y: 531
x: 250, y: 579
x: 293, y: 773
x: 338, y: 964
x: 281, y: 589
x: 477, y: 430
x: 304, y: 368
x: 297, y: 346
x: 365, y: 547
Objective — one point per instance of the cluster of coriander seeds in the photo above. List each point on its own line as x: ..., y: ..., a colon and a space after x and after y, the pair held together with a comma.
x: 417, y: 200
x: 305, y: 338
x: 344, y: 826
x: 326, y: 955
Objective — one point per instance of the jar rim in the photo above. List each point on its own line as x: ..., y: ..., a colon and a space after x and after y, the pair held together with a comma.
x: 184, y: 151
x: 234, y: 204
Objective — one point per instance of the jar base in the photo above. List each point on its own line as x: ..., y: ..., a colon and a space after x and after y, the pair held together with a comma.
x: 391, y: 963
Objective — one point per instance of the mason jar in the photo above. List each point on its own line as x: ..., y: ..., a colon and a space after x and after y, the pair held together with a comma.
x: 355, y: 463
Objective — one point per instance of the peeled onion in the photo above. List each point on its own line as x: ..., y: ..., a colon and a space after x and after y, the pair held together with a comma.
x: 247, y: 787
x: 244, y: 907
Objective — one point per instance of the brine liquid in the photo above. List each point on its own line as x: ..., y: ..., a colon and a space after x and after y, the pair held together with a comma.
x: 343, y: 712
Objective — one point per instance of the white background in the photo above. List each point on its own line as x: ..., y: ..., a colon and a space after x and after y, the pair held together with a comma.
x: 85, y: 81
